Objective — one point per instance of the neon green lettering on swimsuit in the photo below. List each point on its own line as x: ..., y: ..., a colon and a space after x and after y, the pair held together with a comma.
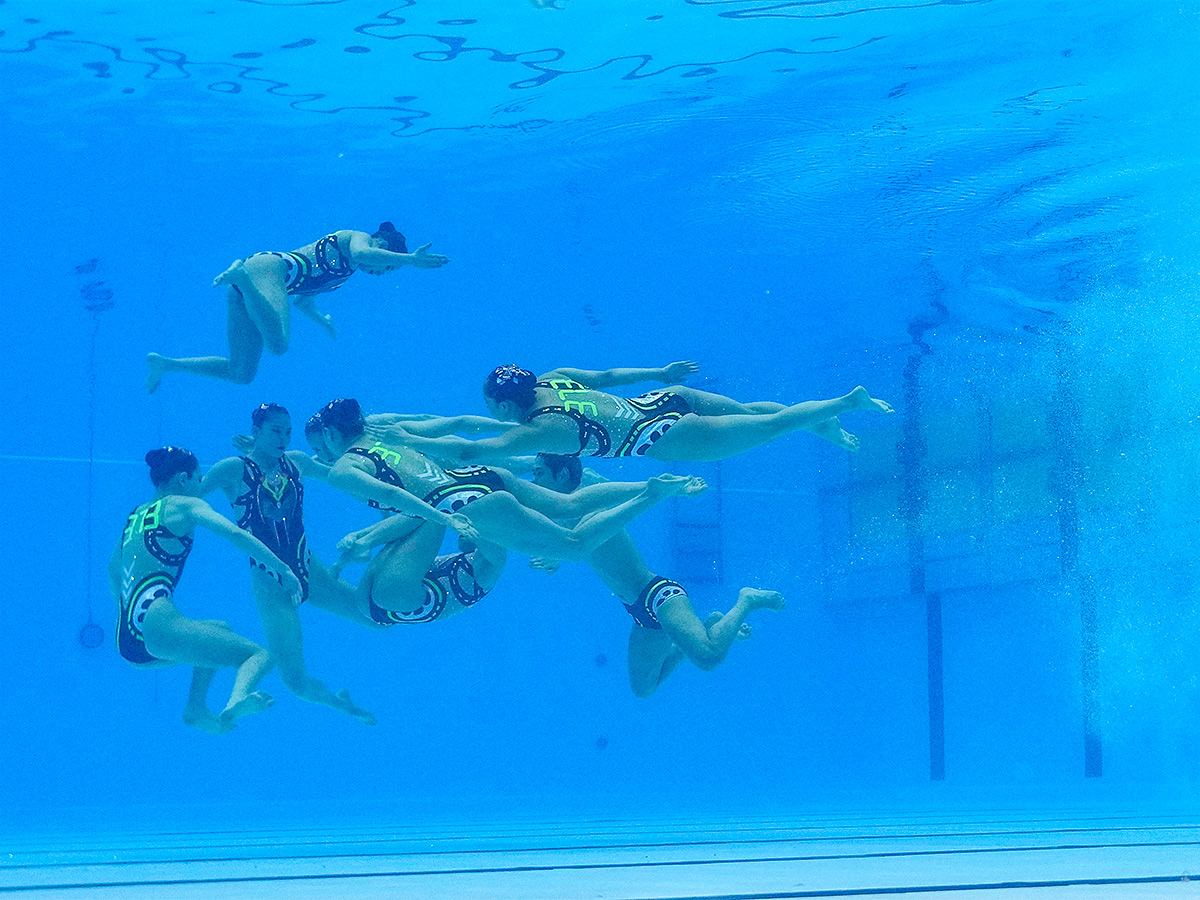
x: 389, y: 456
x: 565, y: 388
x: 141, y: 521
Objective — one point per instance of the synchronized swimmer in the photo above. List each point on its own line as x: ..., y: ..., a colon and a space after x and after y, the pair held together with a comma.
x: 258, y: 287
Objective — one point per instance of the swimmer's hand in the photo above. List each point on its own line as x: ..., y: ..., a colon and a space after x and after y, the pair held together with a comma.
x: 460, y: 523
x: 679, y: 371
x: 394, y: 432
x: 244, y: 443
x: 340, y: 563
x: 423, y: 260
x: 544, y: 565
x: 291, y: 584
x: 355, y: 547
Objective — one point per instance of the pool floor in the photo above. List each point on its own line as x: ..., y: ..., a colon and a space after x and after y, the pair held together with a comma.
x: 1020, y: 854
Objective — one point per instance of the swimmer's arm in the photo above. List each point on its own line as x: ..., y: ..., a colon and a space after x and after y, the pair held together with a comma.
x: 517, y: 441
x: 518, y: 465
x: 399, y: 427
x: 347, y: 477
x: 385, y: 531
x: 308, y: 306
x: 309, y: 466
x: 671, y: 374
x: 362, y: 253
x: 382, y: 420
x: 222, y: 476
x: 440, y: 426
x: 203, y: 514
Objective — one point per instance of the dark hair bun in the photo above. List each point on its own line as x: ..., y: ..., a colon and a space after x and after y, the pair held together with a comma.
x: 166, y: 462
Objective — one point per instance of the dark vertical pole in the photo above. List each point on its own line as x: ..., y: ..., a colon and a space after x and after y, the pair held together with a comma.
x: 1065, y: 480
x: 912, y: 451
x: 937, y: 708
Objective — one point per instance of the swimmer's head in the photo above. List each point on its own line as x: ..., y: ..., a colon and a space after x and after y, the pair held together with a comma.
x: 342, y: 423
x: 390, y: 239
x: 271, y: 428
x: 173, y: 468
x: 313, y: 429
x: 560, y: 472
x: 259, y: 417
x: 509, y: 392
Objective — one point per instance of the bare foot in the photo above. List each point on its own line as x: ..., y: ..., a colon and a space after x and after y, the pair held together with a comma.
x: 673, y: 485
x: 716, y: 616
x: 247, y: 706
x: 350, y: 708
x: 832, y: 431
x: 761, y: 599
x: 204, y: 720
x: 229, y: 275
x: 154, y: 378
x: 860, y: 399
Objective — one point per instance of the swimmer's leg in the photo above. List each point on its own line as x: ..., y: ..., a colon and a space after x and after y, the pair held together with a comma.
x: 707, y: 644
x: 487, y: 562
x: 706, y: 438
x: 281, y: 624
x: 587, y: 499
x: 245, y: 351
x: 207, y: 646
x: 196, y: 713
x: 395, y: 578
x: 261, y: 280
x: 502, y: 520
x: 705, y: 404
x: 652, y: 657
x: 336, y: 596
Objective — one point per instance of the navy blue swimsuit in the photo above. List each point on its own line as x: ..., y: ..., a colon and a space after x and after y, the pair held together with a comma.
x: 273, y: 511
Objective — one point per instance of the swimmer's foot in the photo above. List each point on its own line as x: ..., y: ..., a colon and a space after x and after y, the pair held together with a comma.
x: 716, y: 616
x: 247, y: 706
x: 860, y: 399
x: 832, y: 431
x: 157, y: 365
x: 350, y: 708
x: 757, y: 599
x: 661, y: 486
x: 202, y: 718
x: 231, y: 274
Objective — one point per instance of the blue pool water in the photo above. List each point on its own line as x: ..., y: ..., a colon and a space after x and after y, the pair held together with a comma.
x: 985, y: 212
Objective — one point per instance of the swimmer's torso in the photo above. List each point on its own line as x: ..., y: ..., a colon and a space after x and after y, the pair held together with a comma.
x: 445, y: 489
x: 271, y: 506
x: 319, y: 267
x: 607, y: 425
x: 150, y: 550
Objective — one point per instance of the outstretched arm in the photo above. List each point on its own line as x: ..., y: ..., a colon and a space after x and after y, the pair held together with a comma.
x: 345, y: 476
x: 441, y: 426
x: 222, y: 476
x: 399, y: 427
x: 363, y: 254
x: 517, y: 441
x: 205, y: 515
x: 309, y: 466
x: 671, y: 374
